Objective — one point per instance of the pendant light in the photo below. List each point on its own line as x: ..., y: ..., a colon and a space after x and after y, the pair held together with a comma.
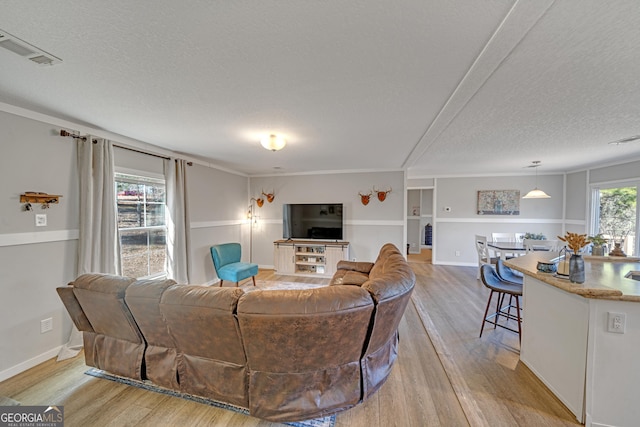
x: 536, y: 193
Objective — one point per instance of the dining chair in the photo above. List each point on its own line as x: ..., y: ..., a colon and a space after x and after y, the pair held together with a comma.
x: 508, y: 237
x: 519, y: 236
x: 501, y: 288
x: 484, y: 255
x: 541, y: 245
x: 503, y: 237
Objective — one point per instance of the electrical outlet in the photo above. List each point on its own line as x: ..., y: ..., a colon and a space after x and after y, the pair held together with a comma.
x: 46, y: 325
x: 616, y: 322
x: 41, y: 220
x: 457, y: 253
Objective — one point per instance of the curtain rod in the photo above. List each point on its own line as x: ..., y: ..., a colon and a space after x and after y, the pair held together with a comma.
x: 84, y: 138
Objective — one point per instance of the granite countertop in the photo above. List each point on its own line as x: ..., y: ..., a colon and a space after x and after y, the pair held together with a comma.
x: 605, y: 276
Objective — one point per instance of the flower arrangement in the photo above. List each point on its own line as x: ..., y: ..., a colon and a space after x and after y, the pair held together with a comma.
x: 575, y: 241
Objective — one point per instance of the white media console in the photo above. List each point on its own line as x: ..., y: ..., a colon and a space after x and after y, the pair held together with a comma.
x: 309, y: 257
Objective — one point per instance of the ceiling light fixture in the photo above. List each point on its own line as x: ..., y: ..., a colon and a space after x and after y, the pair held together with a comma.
x: 273, y: 142
x: 536, y: 193
x: 625, y: 140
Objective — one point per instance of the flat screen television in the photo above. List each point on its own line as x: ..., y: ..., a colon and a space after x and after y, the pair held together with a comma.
x: 312, y: 221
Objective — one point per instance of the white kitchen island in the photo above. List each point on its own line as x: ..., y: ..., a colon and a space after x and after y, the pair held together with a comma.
x: 566, y: 342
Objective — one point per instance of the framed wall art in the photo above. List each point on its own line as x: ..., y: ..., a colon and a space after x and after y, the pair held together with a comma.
x: 499, y: 202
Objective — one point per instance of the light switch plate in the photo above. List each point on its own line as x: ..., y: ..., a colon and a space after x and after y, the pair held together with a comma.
x: 41, y: 220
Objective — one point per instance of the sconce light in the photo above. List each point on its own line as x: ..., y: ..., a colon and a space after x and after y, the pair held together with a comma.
x: 273, y: 142
x: 251, y: 216
x: 536, y: 193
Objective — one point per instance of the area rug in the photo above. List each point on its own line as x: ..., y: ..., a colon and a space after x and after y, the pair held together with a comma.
x: 276, y: 285
x: 328, y: 421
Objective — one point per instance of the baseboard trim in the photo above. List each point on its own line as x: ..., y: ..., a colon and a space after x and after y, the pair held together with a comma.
x: 28, y: 364
x: 455, y: 264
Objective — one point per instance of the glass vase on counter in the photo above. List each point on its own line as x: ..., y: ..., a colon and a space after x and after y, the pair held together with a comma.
x: 576, y: 268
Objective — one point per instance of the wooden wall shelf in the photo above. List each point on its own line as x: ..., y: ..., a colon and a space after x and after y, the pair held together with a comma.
x: 33, y: 197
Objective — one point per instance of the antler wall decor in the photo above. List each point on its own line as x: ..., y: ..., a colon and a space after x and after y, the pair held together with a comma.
x: 270, y: 196
x: 259, y: 201
x: 382, y: 195
x: 364, y: 198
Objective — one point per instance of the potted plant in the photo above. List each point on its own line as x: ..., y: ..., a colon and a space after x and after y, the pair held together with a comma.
x: 598, y: 242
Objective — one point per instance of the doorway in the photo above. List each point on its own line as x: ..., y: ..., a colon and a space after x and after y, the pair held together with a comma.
x: 420, y: 224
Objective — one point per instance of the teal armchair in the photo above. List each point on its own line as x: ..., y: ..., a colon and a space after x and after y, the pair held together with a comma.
x: 226, y: 261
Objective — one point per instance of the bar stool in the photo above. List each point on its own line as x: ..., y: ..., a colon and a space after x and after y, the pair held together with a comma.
x: 492, y: 281
x: 506, y: 274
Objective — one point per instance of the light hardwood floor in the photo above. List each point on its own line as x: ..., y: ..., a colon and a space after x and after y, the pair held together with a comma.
x: 444, y: 376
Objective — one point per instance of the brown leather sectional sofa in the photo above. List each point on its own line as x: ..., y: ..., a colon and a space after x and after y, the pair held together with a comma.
x: 285, y: 355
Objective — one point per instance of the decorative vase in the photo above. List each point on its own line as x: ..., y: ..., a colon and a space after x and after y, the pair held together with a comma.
x: 597, y: 250
x: 576, y: 268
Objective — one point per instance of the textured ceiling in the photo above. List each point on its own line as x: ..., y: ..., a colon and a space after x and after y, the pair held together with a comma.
x: 454, y: 87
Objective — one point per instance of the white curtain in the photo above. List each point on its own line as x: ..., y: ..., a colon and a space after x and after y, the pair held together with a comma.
x: 98, y: 243
x: 178, y: 228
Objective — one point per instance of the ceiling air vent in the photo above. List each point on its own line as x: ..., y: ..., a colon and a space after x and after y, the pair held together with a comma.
x: 26, y: 50
x: 42, y: 60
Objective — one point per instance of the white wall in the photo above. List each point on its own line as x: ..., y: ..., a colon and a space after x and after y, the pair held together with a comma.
x: 34, y: 260
x: 576, y: 196
x: 577, y: 203
x: 454, y: 230
x: 218, y: 209
x: 620, y: 172
x: 367, y: 228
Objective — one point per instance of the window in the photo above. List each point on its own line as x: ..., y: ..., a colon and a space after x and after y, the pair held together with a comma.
x: 615, y: 216
x: 141, y: 225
